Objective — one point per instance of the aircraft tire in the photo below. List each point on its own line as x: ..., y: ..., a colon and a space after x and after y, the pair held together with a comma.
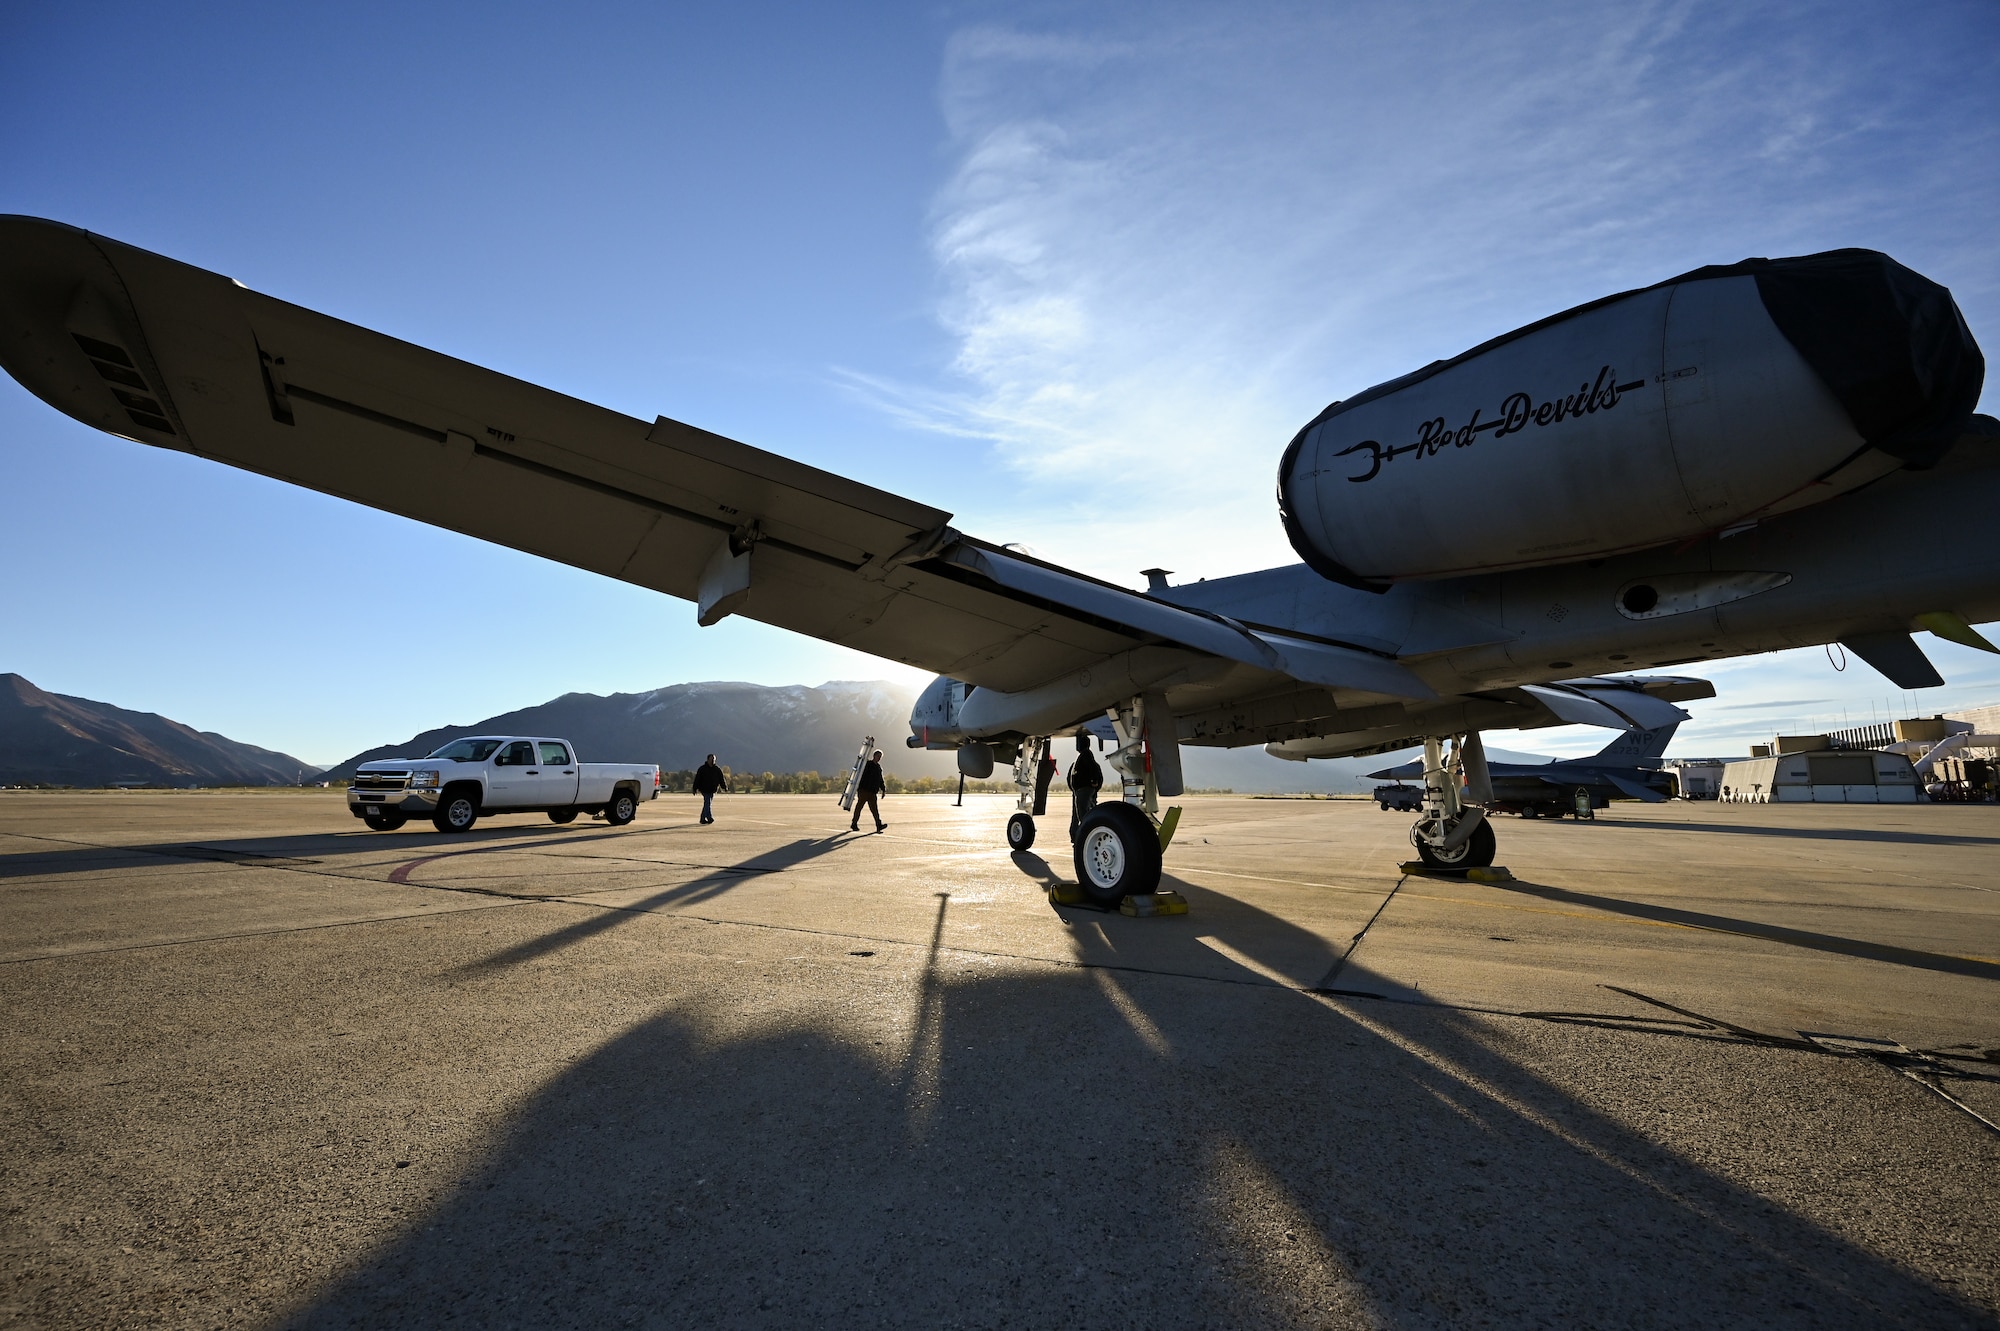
x: 1020, y: 832
x: 387, y: 820
x: 1117, y: 854
x: 457, y: 810
x: 1475, y: 852
x: 562, y: 815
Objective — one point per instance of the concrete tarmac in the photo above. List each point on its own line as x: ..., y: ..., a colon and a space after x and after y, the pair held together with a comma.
x: 259, y: 1066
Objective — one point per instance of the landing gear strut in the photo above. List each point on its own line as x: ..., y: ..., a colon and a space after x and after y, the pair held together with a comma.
x: 1031, y: 791
x: 1453, y: 833
x: 1119, y: 844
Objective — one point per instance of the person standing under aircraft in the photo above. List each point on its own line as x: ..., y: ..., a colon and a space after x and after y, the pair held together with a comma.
x: 708, y: 779
x: 1086, y: 778
x: 868, y: 793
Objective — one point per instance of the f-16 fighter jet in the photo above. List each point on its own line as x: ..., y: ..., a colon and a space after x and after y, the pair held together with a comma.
x: 1735, y: 460
x: 1628, y: 768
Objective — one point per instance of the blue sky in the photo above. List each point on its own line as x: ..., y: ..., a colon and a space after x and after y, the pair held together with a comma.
x: 1075, y: 272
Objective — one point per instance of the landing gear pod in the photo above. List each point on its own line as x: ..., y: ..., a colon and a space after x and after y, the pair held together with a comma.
x: 1723, y: 396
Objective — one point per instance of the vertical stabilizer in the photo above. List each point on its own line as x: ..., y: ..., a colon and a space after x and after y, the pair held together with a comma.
x: 1636, y: 746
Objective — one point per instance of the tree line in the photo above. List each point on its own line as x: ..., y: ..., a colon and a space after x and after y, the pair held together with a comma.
x: 680, y: 781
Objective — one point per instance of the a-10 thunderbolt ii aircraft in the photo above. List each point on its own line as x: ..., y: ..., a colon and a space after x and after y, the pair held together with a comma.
x: 1735, y: 460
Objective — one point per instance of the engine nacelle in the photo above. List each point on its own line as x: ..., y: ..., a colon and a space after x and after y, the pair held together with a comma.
x: 1723, y: 396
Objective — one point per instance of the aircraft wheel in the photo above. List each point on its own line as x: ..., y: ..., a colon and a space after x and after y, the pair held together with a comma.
x: 383, y: 820
x: 1117, y: 854
x: 1475, y: 852
x: 1020, y: 832
x: 562, y: 815
x: 457, y: 811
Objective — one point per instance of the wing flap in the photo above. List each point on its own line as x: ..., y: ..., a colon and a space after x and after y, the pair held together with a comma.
x: 1310, y: 662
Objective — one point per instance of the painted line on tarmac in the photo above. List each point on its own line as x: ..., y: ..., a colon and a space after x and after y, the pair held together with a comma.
x: 1183, y: 869
x: 265, y: 933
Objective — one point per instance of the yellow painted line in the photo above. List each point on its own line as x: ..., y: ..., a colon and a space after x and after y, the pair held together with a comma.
x: 1292, y: 882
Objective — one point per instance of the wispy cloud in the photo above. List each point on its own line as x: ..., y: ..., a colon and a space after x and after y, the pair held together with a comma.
x: 1166, y: 241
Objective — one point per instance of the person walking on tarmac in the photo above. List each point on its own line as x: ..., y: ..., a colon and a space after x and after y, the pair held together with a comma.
x: 1086, y: 778
x: 868, y: 793
x: 708, y: 779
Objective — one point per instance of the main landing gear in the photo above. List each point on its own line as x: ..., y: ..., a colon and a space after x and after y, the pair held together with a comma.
x: 1453, y: 831
x: 1118, y: 853
x: 1120, y: 844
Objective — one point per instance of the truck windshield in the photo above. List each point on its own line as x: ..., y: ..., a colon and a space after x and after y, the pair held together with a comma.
x: 467, y: 750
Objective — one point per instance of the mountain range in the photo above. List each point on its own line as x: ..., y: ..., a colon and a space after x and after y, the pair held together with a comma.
x: 750, y: 727
x: 53, y: 739
x: 794, y: 728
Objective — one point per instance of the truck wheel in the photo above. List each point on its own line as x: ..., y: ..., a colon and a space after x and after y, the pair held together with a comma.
x: 457, y: 811
x: 1020, y: 832
x: 562, y: 815
x: 624, y: 807
x: 1117, y: 854
x: 383, y: 820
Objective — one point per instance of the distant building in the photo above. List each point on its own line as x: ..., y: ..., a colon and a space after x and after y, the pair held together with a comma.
x: 1696, y: 778
x: 1822, y: 776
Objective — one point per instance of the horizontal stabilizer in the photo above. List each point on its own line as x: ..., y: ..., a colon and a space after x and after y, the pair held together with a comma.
x: 1634, y: 789
x: 1574, y: 708
x: 1897, y: 656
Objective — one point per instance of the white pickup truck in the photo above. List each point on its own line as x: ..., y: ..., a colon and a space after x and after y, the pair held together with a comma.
x: 484, y: 774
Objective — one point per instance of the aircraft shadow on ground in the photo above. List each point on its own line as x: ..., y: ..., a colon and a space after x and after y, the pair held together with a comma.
x: 713, y: 883
x: 1185, y: 1153
x: 326, y: 849
x: 1887, y: 835
x: 1769, y: 933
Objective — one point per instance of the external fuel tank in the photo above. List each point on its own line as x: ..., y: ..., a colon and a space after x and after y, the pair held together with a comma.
x: 1716, y: 398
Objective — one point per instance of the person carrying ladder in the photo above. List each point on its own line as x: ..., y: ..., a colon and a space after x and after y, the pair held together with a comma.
x: 868, y: 793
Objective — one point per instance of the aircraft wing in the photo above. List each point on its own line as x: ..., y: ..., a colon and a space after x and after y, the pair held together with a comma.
x: 170, y: 355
